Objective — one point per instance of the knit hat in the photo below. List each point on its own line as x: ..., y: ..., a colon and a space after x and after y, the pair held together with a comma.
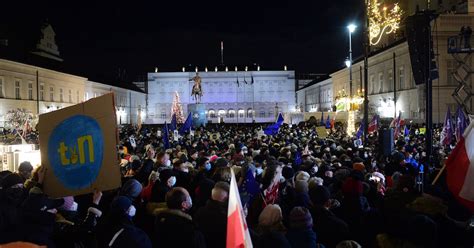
x: 379, y: 175
x: 300, y: 218
x: 68, y: 202
x: 213, y: 158
x: 132, y: 188
x: 221, y: 162
x: 302, y: 175
x: 359, y: 166
x: 11, y: 180
x: 120, y: 205
x: 319, y: 195
x: 270, y: 215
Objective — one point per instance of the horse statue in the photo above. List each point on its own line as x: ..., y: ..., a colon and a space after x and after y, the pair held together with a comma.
x: 197, y: 90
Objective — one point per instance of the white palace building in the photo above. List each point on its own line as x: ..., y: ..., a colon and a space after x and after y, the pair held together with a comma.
x: 229, y: 96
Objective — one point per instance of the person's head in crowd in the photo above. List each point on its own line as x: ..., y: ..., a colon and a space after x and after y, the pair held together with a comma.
x: 320, y: 196
x: 179, y: 165
x: 163, y: 159
x: 12, y: 187
x: 203, y: 164
x: 122, y: 207
x: 270, y: 218
x: 221, y: 163
x: 193, y: 154
x: 132, y: 189
x: 152, y: 177
x: 220, y: 192
x: 25, y: 169
x: 302, y: 176
x: 179, y: 199
x: 222, y: 174
x: 301, y: 186
x: 315, y: 181
x: 406, y: 183
x: 300, y: 219
x: 167, y: 178
x: 288, y: 172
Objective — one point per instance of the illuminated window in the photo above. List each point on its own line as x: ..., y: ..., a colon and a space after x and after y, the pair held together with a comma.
x: 401, y: 78
x: 61, y: 95
x: 390, y: 80
x: 41, y: 92
x: 51, y: 93
x: 17, y: 89
x: 381, y: 82
x: 30, y: 91
x: 1, y: 88
x: 70, y: 95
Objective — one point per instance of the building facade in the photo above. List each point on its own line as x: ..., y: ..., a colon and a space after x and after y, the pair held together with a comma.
x: 316, y: 96
x: 229, y: 96
x: 390, y: 68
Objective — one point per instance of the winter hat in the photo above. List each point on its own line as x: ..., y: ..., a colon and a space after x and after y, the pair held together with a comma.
x: 359, y: 166
x: 213, y: 158
x: 319, y: 195
x: 379, y: 175
x: 315, y: 181
x: 302, y: 175
x: 288, y: 172
x: 68, y: 202
x: 221, y: 162
x: 300, y: 218
x: 270, y: 215
x: 136, y: 165
x: 11, y: 180
x: 120, y: 205
x: 132, y: 188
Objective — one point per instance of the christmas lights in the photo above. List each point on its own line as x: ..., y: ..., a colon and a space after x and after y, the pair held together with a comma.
x: 382, y: 20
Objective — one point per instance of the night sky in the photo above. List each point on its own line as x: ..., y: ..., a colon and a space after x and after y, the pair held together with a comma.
x: 98, y: 38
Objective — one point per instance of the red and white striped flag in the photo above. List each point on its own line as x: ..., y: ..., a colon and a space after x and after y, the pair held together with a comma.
x: 460, y: 169
x: 238, y: 234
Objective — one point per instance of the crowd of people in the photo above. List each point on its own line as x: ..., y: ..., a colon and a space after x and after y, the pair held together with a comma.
x: 297, y: 190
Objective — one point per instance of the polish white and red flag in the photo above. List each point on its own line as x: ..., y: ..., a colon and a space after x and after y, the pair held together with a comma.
x: 460, y: 169
x: 238, y: 235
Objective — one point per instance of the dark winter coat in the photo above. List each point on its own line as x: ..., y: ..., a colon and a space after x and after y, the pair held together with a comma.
x: 330, y: 229
x: 174, y: 228
x: 212, y: 221
x: 301, y: 238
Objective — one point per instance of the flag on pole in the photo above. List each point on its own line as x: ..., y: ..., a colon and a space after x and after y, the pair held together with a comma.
x: 374, y: 124
x: 460, y: 169
x: 461, y: 123
x: 328, y: 122
x: 173, y: 123
x: 406, y: 133
x: 447, y: 133
x: 333, y: 120
x: 360, y: 131
x: 166, y: 140
x: 397, y: 126
x: 273, y: 128
x: 187, y: 125
x: 238, y: 235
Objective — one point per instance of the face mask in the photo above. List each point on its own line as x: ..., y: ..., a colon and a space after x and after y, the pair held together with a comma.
x: 74, y: 207
x: 168, y: 163
x: 259, y: 171
x: 172, y: 181
x: 207, y: 167
x: 132, y: 211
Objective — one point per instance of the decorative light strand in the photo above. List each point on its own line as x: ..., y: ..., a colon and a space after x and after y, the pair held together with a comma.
x: 382, y: 20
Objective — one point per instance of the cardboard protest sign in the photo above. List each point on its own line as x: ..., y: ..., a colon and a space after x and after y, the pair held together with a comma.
x: 322, y: 132
x: 78, y: 148
x: 422, y: 130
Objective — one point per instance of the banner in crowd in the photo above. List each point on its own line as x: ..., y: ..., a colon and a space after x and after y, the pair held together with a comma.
x: 238, y: 234
x: 78, y: 147
x: 460, y: 169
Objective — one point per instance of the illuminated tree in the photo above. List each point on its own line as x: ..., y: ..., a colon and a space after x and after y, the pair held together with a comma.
x: 177, y: 109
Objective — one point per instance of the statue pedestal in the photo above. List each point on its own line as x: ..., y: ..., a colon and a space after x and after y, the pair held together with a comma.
x: 198, y: 112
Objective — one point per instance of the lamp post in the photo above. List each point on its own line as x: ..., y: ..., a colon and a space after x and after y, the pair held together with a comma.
x: 351, y: 28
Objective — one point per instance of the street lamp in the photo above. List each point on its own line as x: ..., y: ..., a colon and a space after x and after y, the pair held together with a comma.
x: 351, y: 28
x: 348, y: 63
